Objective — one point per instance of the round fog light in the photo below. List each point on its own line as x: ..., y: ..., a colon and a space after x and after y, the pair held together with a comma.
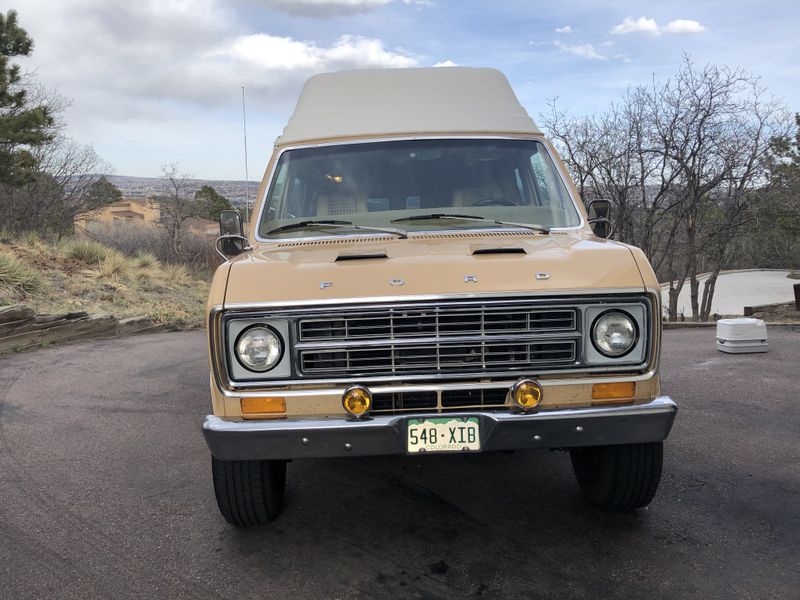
x: 357, y: 400
x: 527, y: 394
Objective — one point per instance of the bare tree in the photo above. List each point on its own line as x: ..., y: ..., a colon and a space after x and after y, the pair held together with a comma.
x: 682, y: 161
x: 175, y: 206
x: 57, y: 192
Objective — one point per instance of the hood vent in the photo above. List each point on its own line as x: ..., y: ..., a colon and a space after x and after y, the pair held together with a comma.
x: 481, y: 251
x: 466, y: 235
x: 370, y: 256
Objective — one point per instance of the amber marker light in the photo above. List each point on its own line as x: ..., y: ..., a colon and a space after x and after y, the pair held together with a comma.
x: 254, y: 408
x: 614, y: 392
x: 357, y: 400
x: 527, y: 394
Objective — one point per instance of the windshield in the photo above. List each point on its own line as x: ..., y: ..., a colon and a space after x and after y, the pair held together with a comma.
x: 335, y: 190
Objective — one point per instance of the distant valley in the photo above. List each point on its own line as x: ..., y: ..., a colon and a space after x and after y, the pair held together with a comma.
x: 142, y: 187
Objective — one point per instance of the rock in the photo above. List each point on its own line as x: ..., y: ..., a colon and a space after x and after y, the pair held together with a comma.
x: 15, y: 312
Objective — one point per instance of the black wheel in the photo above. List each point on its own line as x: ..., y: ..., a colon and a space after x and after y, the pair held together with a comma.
x: 249, y: 492
x: 619, y: 478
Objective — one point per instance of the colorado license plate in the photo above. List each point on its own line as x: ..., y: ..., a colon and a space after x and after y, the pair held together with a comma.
x: 446, y: 434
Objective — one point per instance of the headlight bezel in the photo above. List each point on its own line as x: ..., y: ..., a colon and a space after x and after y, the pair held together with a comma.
x: 232, y: 326
x: 270, y: 329
x: 631, y: 319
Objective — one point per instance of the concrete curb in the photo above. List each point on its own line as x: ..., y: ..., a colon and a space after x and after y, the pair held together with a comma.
x: 692, y: 325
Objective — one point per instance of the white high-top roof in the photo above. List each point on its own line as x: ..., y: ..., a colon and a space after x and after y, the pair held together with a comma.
x: 406, y: 102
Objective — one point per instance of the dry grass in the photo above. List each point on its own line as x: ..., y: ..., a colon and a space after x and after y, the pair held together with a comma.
x: 114, y: 265
x: 16, y: 277
x: 88, y: 251
x: 177, y: 273
x: 145, y: 260
x: 88, y: 276
x: 32, y: 238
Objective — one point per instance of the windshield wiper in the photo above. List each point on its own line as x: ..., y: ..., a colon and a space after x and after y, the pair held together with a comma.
x: 337, y: 224
x: 530, y: 226
x: 436, y: 216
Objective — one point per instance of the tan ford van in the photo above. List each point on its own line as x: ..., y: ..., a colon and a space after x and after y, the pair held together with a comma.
x: 420, y: 276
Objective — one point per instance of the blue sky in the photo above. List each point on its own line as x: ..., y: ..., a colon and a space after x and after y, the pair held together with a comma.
x: 159, y: 81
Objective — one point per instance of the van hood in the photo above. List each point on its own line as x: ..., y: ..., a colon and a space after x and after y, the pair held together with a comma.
x: 332, y: 269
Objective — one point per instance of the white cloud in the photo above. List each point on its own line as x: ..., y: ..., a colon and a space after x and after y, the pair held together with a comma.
x: 127, y: 59
x: 271, y: 67
x: 565, y: 29
x: 446, y: 63
x: 684, y: 26
x: 273, y: 53
x: 640, y: 25
x: 649, y: 26
x: 586, y: 51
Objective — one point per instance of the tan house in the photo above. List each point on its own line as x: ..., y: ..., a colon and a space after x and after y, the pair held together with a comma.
x: 140, y: 212
x: 145, y: 212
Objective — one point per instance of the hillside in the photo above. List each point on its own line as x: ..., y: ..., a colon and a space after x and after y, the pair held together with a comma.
x: 82, y: 275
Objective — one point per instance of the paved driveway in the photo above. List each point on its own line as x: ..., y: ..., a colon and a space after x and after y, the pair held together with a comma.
x: 105, y: 492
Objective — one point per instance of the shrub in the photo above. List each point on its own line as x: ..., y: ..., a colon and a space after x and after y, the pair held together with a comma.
x: 88, y: 251
x: 32, y: 238
x: 145, y: 260
x: 177, y: 273
x: 114, y: 264
x: 17, y: 277
x: 132, y: 239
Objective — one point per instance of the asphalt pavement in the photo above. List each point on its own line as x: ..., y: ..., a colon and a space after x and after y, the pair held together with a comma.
x: 105, y: 492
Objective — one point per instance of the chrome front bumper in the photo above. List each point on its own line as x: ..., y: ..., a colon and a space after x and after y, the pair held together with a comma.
x: 231, y: 439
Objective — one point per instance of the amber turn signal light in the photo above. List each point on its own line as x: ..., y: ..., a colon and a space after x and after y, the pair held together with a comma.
x: 625, y: 390
x: 252, y: 407
x: 357, y: 400
x: 527, y: 394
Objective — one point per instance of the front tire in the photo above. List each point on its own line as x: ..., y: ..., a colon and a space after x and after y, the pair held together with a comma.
x: 619, y: 478
x: 249, y: 492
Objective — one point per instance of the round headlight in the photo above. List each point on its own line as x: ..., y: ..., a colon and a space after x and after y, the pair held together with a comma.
x: 614, y: 333
x: 259, y: 348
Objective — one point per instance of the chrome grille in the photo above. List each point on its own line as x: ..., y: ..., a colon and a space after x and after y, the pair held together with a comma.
x: 480, y: 355
x: 482, y: 397
x: 399, y: 402
x: 448, y: 338
x: 402, y: 401
x: 398, y: 323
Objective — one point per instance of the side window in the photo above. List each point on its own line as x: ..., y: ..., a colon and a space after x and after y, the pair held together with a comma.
x: 277, y: 191
x: 551, y: 192
x: 541, y: 176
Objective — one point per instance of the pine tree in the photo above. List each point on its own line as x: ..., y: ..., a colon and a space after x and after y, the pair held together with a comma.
x: 22, y: 126
x: 209, y: 203
x: 101, y: 193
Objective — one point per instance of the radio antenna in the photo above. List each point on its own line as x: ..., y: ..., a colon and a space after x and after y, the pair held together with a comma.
x: 246, y: 174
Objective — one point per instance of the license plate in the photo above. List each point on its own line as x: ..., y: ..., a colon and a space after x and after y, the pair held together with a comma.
x: 446, y: 434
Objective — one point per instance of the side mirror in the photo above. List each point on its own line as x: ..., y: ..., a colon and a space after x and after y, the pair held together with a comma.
x: 230, y: 223
x: 599, y: 212
x: 231, y: 241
